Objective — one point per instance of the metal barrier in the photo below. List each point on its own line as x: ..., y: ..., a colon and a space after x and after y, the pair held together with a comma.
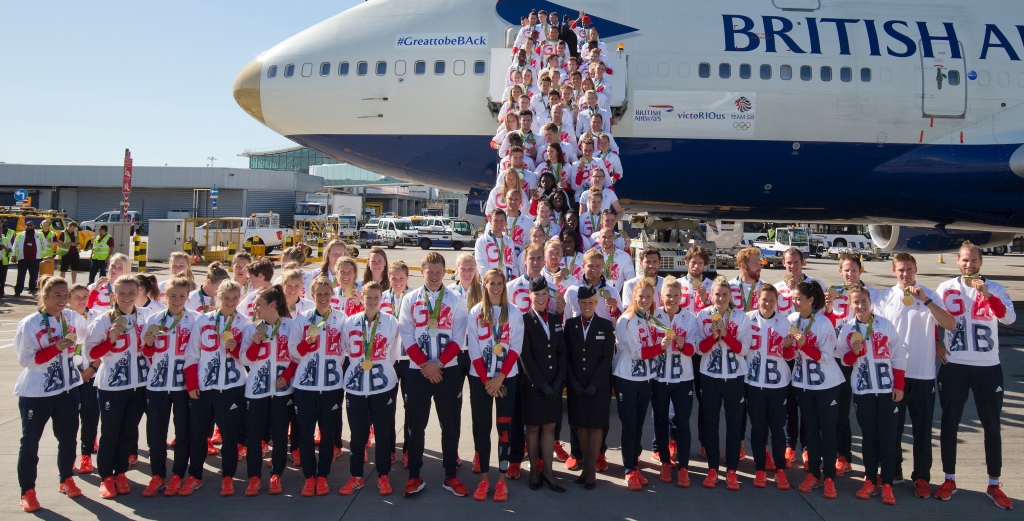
x: 207, y: 240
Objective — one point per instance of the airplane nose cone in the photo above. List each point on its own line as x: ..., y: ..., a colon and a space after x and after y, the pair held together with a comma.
x: 246, y: 89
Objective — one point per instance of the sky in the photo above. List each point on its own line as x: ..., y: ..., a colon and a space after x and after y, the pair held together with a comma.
x: 82, y: 81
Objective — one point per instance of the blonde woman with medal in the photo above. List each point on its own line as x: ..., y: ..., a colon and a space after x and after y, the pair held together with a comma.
x: 672, y: 385
x: 47, y: 387
x: 470, y: 291
x: 724, y: 335
x: 318, y: 385
x: 89, y: 410
x: 101, y: 292
x: 204, y: 299
x: 347, y: 299
x: 915, y: 311
x: 432, y: 325
x: 267, y: 348
x: 215, y: 379
x: 371, y: 343
x: 495, y: 343
x: 872, y: 346
x: 165, y: 339
x: 816, y: 377
x: 767, y: 387
x: 293, y: 282
x: 636, y: 344
x: 971, y: 362
x: 115, y: 339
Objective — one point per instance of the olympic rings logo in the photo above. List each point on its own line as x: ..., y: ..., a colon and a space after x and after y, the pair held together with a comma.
x: 742, y: 125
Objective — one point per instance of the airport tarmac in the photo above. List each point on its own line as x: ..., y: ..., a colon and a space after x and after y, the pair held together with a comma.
x: 611, y: 500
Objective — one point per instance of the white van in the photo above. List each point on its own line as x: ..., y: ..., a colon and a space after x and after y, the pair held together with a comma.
x: 394, y: 231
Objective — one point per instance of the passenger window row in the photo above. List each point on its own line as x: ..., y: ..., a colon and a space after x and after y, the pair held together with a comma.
x: 380, y: 68
x: 806, y: 73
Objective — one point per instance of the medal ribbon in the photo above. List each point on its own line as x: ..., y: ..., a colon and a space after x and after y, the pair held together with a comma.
x: 368, y: 343
x: 163, y: 321
x: 227, y: 325
x: 274, y: 332
x: 46, y: 326
x: 110, y: 295
x: 501, y: 252
x: 434, y: 310
x: 398, y: 309
x: 871, y: 325
x: 748, y: 302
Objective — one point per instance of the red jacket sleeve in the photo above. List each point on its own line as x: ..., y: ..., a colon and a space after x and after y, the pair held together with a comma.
x: 812, y: 351
x: 192, y: 378
x: 304, y: 348
x: 148, y: 351
x: 252, y: 353
x: 998, y: 308
x: 688, y: 349
x: 481, y: 370
x: 647, y: 353
x: 733, y: 343
x: 706, y: 344
x: 46, y: 354
x: 788, y: 352
x: 289, y: 373
x: 100, y: 349
x: 899, y: 377
x: 850, y: 358
x: 509, y: 363
x: 416, y: 355
x: 94, y: 297
x: 832, y: 317
x: 451, y: 350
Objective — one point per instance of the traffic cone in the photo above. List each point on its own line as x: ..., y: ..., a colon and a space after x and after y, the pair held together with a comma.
x: 863, y: 269
x: 941, y: 261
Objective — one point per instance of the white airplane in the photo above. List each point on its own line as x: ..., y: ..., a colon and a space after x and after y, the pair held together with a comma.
x: 904, y: 115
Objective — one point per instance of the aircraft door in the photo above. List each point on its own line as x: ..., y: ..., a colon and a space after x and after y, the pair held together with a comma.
x: 944, y: 93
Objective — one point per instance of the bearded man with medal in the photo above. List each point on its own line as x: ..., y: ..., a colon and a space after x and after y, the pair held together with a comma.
x: 432, y: 323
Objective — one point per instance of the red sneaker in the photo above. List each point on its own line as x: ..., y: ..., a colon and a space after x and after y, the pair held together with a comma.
x: 296, y: 458
x: 369, y: 440
x: 560, y: 453
x: 455, y: 486
x: 353, y: 485
x: 216, y: 439
x: 810, y: 483
x: 572, y: 463
x: 265, y: 449
x: 995, y: 493
x: 275, y: 485
x: 640, y: 476
x: 946, y: 490
x: 867, y: 490
x: 514, y: 470
x: 656, y: 457
x: 337, y: 452
x: 769, y: 463
x: 133, y: 459
x: 790, y: 456
x: 171, y: 443
x: 108, y: 490
x: 254, y: 487
x: 210, y: 449
x: 673, y: 450
x: 807, y: 462
x: 666, y: 473
x: 309, y: 489
x: 191, y: 485
x: 476, y: 463
x: 481, y: 490
x: 743, y: 451
x: 683, y: 481
x: 633, y: 481
x: 500, y: 492
x: 156, y: 484
x: 602, y: 463
x: 70, y: 489
x: 842, y: 466
x: 781, y: 482
x: 922, y: 488
x: 121, y: 482
x: 321, y: 486
x: 703, y: 452
x: 384, y: 486
x: 712, y: 479
x: 29, y: 503
x: 173, y: 486
x: 731, y: 481
x: 242, y: 451
x: 830, y: 489
x: 405, y: 460
x: 760, y: 479
x: 85, y: 465
x: 316, y: 437
x: 887, y: 497
x: 413, y: 486
x: 227, y: 487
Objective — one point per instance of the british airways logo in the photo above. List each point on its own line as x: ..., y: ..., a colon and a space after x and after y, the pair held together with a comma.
x: 666, y: 108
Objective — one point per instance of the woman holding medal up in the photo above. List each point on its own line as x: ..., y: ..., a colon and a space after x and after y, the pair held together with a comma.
x: 47, y: 387
x: 101, y: 293
x: 214, y: 377
x: 724, y: 334
x: 495, y: 342
x: 347, y: 298
x: 371, y: 344
x: 164, y: 342
x: 268, y: 388
x: 114, y: 340
x: 318, y: 384
x: 816, y: 377
x: 636, y: 344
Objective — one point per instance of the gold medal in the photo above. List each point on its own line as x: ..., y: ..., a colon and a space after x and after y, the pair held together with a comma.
x: 72, y: 337
x: 350, y: 293
x: 262, y: 328
x: 226, y: 336
x: 497, y: 349
x: 605, y: 293
x: 787, y: 278
x: 670, y: 334
x: 793, y: 330
x: 833, y: 292
x: 121, y: 321
x: 153, y: 330
x: 367, y: 365
x: 564, y: 272
x: 432, y: 323
x: 908, y: 300
x: 857, y: 336
x: 313, y: 332
x: 716, y: 316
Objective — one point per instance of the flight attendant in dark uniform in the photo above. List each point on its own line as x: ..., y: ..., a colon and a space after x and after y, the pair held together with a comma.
x: 591, y: 345
x: 544, y: 364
